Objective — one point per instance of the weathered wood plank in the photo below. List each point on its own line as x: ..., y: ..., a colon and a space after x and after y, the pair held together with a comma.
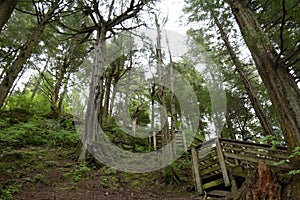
x: 205, y: 144
x: 198, y: 180
x: 207, y: 154
x: 257, y: 151
x: 211, y: 175
x: 222, y: 163
x: 220, y: 193
x: 208, y: 164
x: 213, y: 183
x: 210, y: 170
x: 208, y: 158
x: 252, y: 144
x: 253, y: 159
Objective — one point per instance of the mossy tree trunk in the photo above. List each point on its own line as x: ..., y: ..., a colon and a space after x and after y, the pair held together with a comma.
x: 280, y: 84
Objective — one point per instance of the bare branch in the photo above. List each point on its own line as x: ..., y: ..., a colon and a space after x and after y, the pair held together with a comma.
x: 281, y: 31
x: 130, y: 12
x: 111, y: 7
x: 82, y: 30
x: 26, y: 12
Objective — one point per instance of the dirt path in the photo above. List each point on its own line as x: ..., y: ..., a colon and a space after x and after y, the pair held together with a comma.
x: 41, y: 173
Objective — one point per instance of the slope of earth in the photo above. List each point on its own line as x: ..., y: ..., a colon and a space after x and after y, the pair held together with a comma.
x: 48, y: 173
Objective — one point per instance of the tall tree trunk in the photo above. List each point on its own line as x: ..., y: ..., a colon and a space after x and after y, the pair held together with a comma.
x: 282, y: 88
x: 38, y: 81
x: 161, y: 88
x: 172, y: 99
x: 6, y: 9
x: 169, y: 176
x: 117, y: 75
x: 259, y: 111
x: 108, y: 82
x: 113, y: 97
x: 58, y: 84
x: 13, y: 87
x: 127, y: 92
x: 92, y: 124
x: 153, y: 131
x: 63, y: 94
x: 280, y: 84
x: 18, y: 64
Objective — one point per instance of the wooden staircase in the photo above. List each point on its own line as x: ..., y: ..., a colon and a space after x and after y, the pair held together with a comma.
x: 212, y: 169
x: 216, y: 162
x: 156, y: 139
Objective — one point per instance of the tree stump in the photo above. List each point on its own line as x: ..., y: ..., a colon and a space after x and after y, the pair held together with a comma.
x: 262, y: 185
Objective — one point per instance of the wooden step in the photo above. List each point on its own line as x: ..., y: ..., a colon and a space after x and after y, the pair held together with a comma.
x: 210, y: 170
x: 213, y: 174
x: 214, y: 183
x: 208, y: 164
x: 218, y: 193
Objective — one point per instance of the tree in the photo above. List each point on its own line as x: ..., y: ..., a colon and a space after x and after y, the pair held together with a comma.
x: 259, y: 111
x: 74, y: 52
x: 6, y: 9
x: 25, y: 52
x: 273, y: 68
x: 172, y: 96
x: 161, y: 88
x: 219, y: 20
x: 103, y: 25
x: 280, y: 84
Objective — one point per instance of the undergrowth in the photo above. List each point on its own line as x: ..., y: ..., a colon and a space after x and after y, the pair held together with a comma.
x: 37, y: 131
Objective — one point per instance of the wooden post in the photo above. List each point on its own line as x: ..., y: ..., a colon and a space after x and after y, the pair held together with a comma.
x: 184, y: 140
x: 150, y: 142
x: 234, y: 186
x: 222, y: 163
x: 154, y: 140
x: 198, y: 181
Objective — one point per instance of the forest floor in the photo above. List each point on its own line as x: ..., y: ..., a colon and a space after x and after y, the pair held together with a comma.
x: 48, y: 173
x: 37, y: 162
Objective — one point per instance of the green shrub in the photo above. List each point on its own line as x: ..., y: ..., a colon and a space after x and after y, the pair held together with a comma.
x: 38, y: 131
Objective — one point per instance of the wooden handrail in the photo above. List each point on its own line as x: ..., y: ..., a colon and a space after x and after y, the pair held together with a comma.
x: 231, y: 141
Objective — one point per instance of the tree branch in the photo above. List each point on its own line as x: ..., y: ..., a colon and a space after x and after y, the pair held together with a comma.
x: 82, y: 30
x: 281, y: 31
x: 110, y: 10
x: 130, y: 12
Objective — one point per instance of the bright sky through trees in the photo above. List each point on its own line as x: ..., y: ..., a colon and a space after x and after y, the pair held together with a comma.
x: 173, y: 9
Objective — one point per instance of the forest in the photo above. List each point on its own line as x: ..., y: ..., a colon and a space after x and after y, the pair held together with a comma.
x: 99, y: 100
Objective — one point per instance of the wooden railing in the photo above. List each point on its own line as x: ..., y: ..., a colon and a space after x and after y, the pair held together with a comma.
x: 156, y: 140
x: 212, y: 158
x: 248, y: 154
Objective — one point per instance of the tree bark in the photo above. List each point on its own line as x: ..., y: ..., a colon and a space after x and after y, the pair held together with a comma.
x: 108, y: 83
x: 113, y: 97
x: 58, y: 84
x: 63, y: 94
x: 282, y: 88
x: 18, y: 64
x: 92, y: 117
x: 161, y: 90
x: 6, y: 9
x: 118, y: 74
x: 172, y: 100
